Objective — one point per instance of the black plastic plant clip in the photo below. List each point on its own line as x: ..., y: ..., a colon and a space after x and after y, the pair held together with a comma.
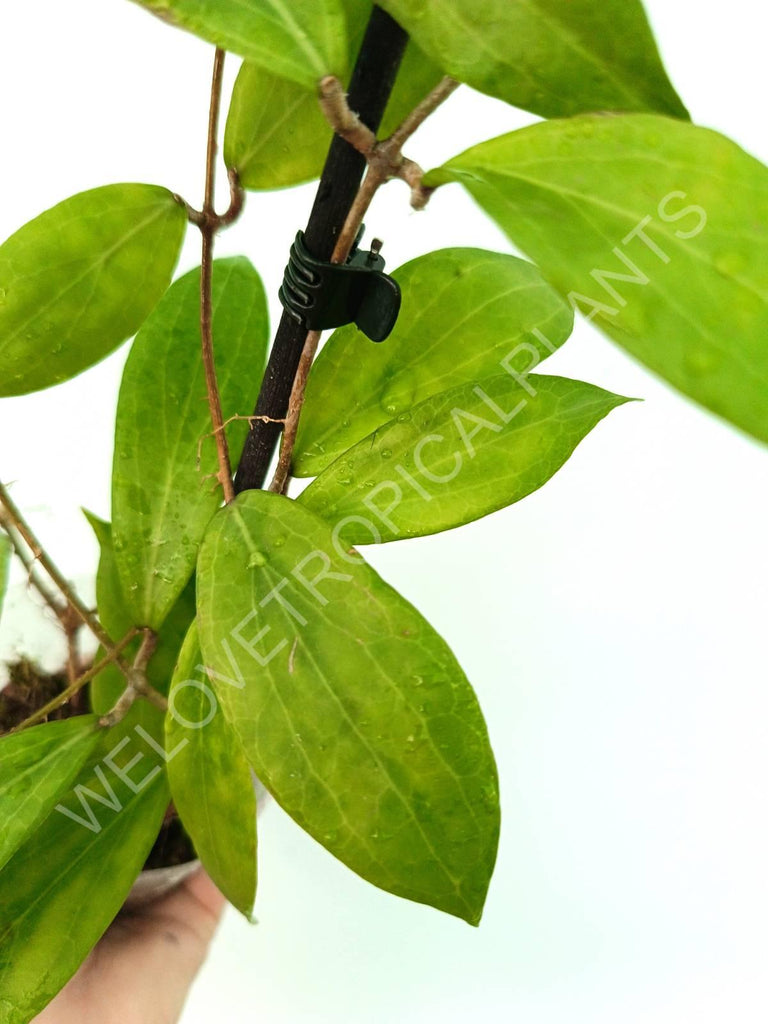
x: 321, y: 295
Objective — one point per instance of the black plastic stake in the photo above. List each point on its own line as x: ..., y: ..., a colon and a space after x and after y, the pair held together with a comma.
x: 370, y: 87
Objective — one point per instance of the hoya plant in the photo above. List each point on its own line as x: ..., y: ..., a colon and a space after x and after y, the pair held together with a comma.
x: 245, y: 645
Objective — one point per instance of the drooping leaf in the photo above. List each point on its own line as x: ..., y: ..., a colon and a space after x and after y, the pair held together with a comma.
x: 5, y: 564
x: 301, y: 40
x: 162, y: 498
x: 36, y: 766
x: 553, y: 58
x: 351, y: 709
x: 211, y: 781
x: 116, y: 619
x: 457, y: 457
x: 657, y: 230
x: 276, y: 134
x: 467, y: 314
x: 63, y: 887
x: 82, y: 277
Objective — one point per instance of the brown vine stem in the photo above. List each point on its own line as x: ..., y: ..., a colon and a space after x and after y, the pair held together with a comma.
x: 67, y: 617
x: 137, y: 684
x: 385, y: 161
x: 18, y: 524
x: 208, y: 228
x: 78, y: 684
x: 17, y: 527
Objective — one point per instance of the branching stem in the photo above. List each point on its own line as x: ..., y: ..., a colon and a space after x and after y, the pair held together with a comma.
x: 385, y: 161
x: 137, y: 684
x: 78, y: 684
x: 17, y: 527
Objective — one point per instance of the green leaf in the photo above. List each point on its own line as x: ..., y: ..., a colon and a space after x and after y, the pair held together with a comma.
x: 81, y: 278
x: 64, y: 886
x: 457, y: 457
x: 114, y: 613
x: 5, y: 565
x: 351, y: 709
x: 466, y: 315
x: 301, y: 40
x: 36, y: 766
x: 211, y: 781
x: 116, y: 619
x: 276, y: 134
x: 657, y: 230
x: 555, y: 59
x: 161, y: 499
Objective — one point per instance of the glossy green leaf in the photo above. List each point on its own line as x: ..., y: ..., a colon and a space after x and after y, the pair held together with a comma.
x: 81, y: 278
x: 467, y: 314
x: 36, y: 767
x: 298, y: 39
x: 276, y: 135
x: 211, y: 781
x: 64, y: 886
x: 116, y: 618
x: 553, y: 58
x: 5, y: 565
x: 351, y: 709
x: 457, y: 457
x: 161, y: 498
x: 658, y: 232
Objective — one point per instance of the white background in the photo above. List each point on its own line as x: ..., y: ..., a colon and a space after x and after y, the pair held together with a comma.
x: 613, y: 623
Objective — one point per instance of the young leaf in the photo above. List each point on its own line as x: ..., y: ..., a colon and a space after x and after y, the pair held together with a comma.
x: 81, y: 278
x: 456, y: 457
x: 116, y: 619
x: 555, y: 59
x: 276, y: 134
x: 352, y: 710
x: 64, y: 886
x: 211, y: 781
x: 36, y: 766
x: 161, y: 498
x: 5, y: 564
x: 657, y: 230
x: 301, y: 40
x: 467, y: 314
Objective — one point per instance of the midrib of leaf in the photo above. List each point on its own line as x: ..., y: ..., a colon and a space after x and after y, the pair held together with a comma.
x: 362, y: 739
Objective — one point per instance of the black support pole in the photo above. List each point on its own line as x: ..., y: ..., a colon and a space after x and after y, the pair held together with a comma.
x: 370, y: 87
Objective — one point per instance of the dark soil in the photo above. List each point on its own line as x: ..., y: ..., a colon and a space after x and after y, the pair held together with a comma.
x: 27, y: 690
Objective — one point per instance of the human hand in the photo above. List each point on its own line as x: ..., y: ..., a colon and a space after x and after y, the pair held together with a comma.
x: 141, y: 970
